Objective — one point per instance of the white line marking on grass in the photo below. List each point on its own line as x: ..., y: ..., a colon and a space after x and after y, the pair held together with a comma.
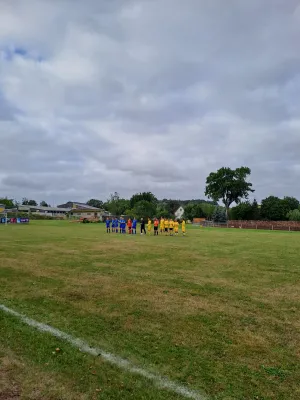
x: 159, y: 381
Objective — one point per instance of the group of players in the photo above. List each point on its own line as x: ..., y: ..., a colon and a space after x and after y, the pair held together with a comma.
x: 165, y: 226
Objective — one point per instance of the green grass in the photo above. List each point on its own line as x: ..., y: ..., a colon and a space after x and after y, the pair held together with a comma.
x: 217, y: 311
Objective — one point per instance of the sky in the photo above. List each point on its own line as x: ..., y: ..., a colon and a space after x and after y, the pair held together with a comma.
x: 99, y: 96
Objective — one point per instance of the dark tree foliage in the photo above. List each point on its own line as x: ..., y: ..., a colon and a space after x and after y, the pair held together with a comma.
x: 147, y: 196
x: 144, y: 209
x: 8, y: 203
x: 219, y: 215
x: 228, y: 185
x: 95, y: 203
x: 273, y: 209
x: 26, y: 202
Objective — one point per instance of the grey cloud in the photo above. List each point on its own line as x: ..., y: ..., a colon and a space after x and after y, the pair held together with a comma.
x: 148, y: 95
x: 22, y: 182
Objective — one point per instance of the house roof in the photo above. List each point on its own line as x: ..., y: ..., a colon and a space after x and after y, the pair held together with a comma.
x: 40, y: 208
x: 83, y: 206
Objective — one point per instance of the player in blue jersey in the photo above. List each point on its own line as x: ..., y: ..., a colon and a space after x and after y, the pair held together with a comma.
x: 113, y: 225
x: 108, y: 223
x: 134, y: 224
x: 123, y: 225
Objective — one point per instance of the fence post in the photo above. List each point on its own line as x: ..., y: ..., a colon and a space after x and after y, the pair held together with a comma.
x: 272, y: 228
x: 256, y: 226
x: 289, y: 228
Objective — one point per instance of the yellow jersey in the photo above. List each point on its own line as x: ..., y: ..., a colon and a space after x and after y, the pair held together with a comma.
x: 171, y: 224
x: 183, y: 226
x: 176, y: 225
x: 166, y: 223
x: 162, y: 224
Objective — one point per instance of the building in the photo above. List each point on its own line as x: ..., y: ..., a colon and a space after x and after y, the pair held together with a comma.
x: 179, y: 213
x: 47, y: 211
x: 81, y: 210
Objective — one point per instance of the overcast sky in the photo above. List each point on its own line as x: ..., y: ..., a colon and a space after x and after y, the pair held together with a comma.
x: 98, y: 96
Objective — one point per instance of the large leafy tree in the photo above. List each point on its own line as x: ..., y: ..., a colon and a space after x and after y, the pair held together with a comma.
x: 242, y: 211
x: 147, y: 196
x: 44, y: 204
x: 245, y: 211
x: 117, y: 206
x: 228, y: 185
x: 273, y: 209
x: 290, y: 204
x: 144, y: 209
x: 95, y: 203
x: 8, y: 203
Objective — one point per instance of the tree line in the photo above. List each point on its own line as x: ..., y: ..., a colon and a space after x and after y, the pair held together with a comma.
x: 226, y: 185
x: 11, y: 203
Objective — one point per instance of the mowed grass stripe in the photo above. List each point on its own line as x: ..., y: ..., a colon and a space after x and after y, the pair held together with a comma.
x: 161, y: 382
x: 218, y: 310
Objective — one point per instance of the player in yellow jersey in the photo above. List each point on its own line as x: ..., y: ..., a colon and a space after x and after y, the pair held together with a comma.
x: 149, y: 226
x: 161, y: 225
x: 183, y: 227
x: 176, y: 227
x: 171, y: 227
x: 166, y: 225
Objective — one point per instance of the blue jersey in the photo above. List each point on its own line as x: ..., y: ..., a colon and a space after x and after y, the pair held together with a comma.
x: 108, y: 222
x: 134, y: 222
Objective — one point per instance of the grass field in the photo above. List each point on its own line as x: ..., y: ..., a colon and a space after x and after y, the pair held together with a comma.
x: 217, y: 311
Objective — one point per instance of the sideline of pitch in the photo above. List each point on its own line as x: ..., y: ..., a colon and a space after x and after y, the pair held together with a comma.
x: 159, y: 381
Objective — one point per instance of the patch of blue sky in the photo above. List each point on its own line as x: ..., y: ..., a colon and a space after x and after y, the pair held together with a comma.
x: 9, y: 52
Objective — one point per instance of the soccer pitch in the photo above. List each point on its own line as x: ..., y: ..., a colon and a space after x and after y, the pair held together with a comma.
x: 216, y: 313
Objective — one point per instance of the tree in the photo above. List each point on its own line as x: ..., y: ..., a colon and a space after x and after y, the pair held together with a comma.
x: 242, y: 211
x: 95, y: 203
x: 172, y: 206
x: 293, y: 215
x: 255, y: 211
x: 26, y: 202
x: 273, y: 209
x: 189, y: 211
x: 44, y: 204
x: 8, y: 203
x: 208, y: 210
x: 144, y: 209
x: 117, y: 206
x: 147, y: 196
x: 192, y: 211
x: 162, y: 212
x: 290, y: 204
x: 228, y: 185
x: 219, y: 215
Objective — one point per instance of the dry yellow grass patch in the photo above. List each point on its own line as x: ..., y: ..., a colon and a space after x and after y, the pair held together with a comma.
x: 21, y: 380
